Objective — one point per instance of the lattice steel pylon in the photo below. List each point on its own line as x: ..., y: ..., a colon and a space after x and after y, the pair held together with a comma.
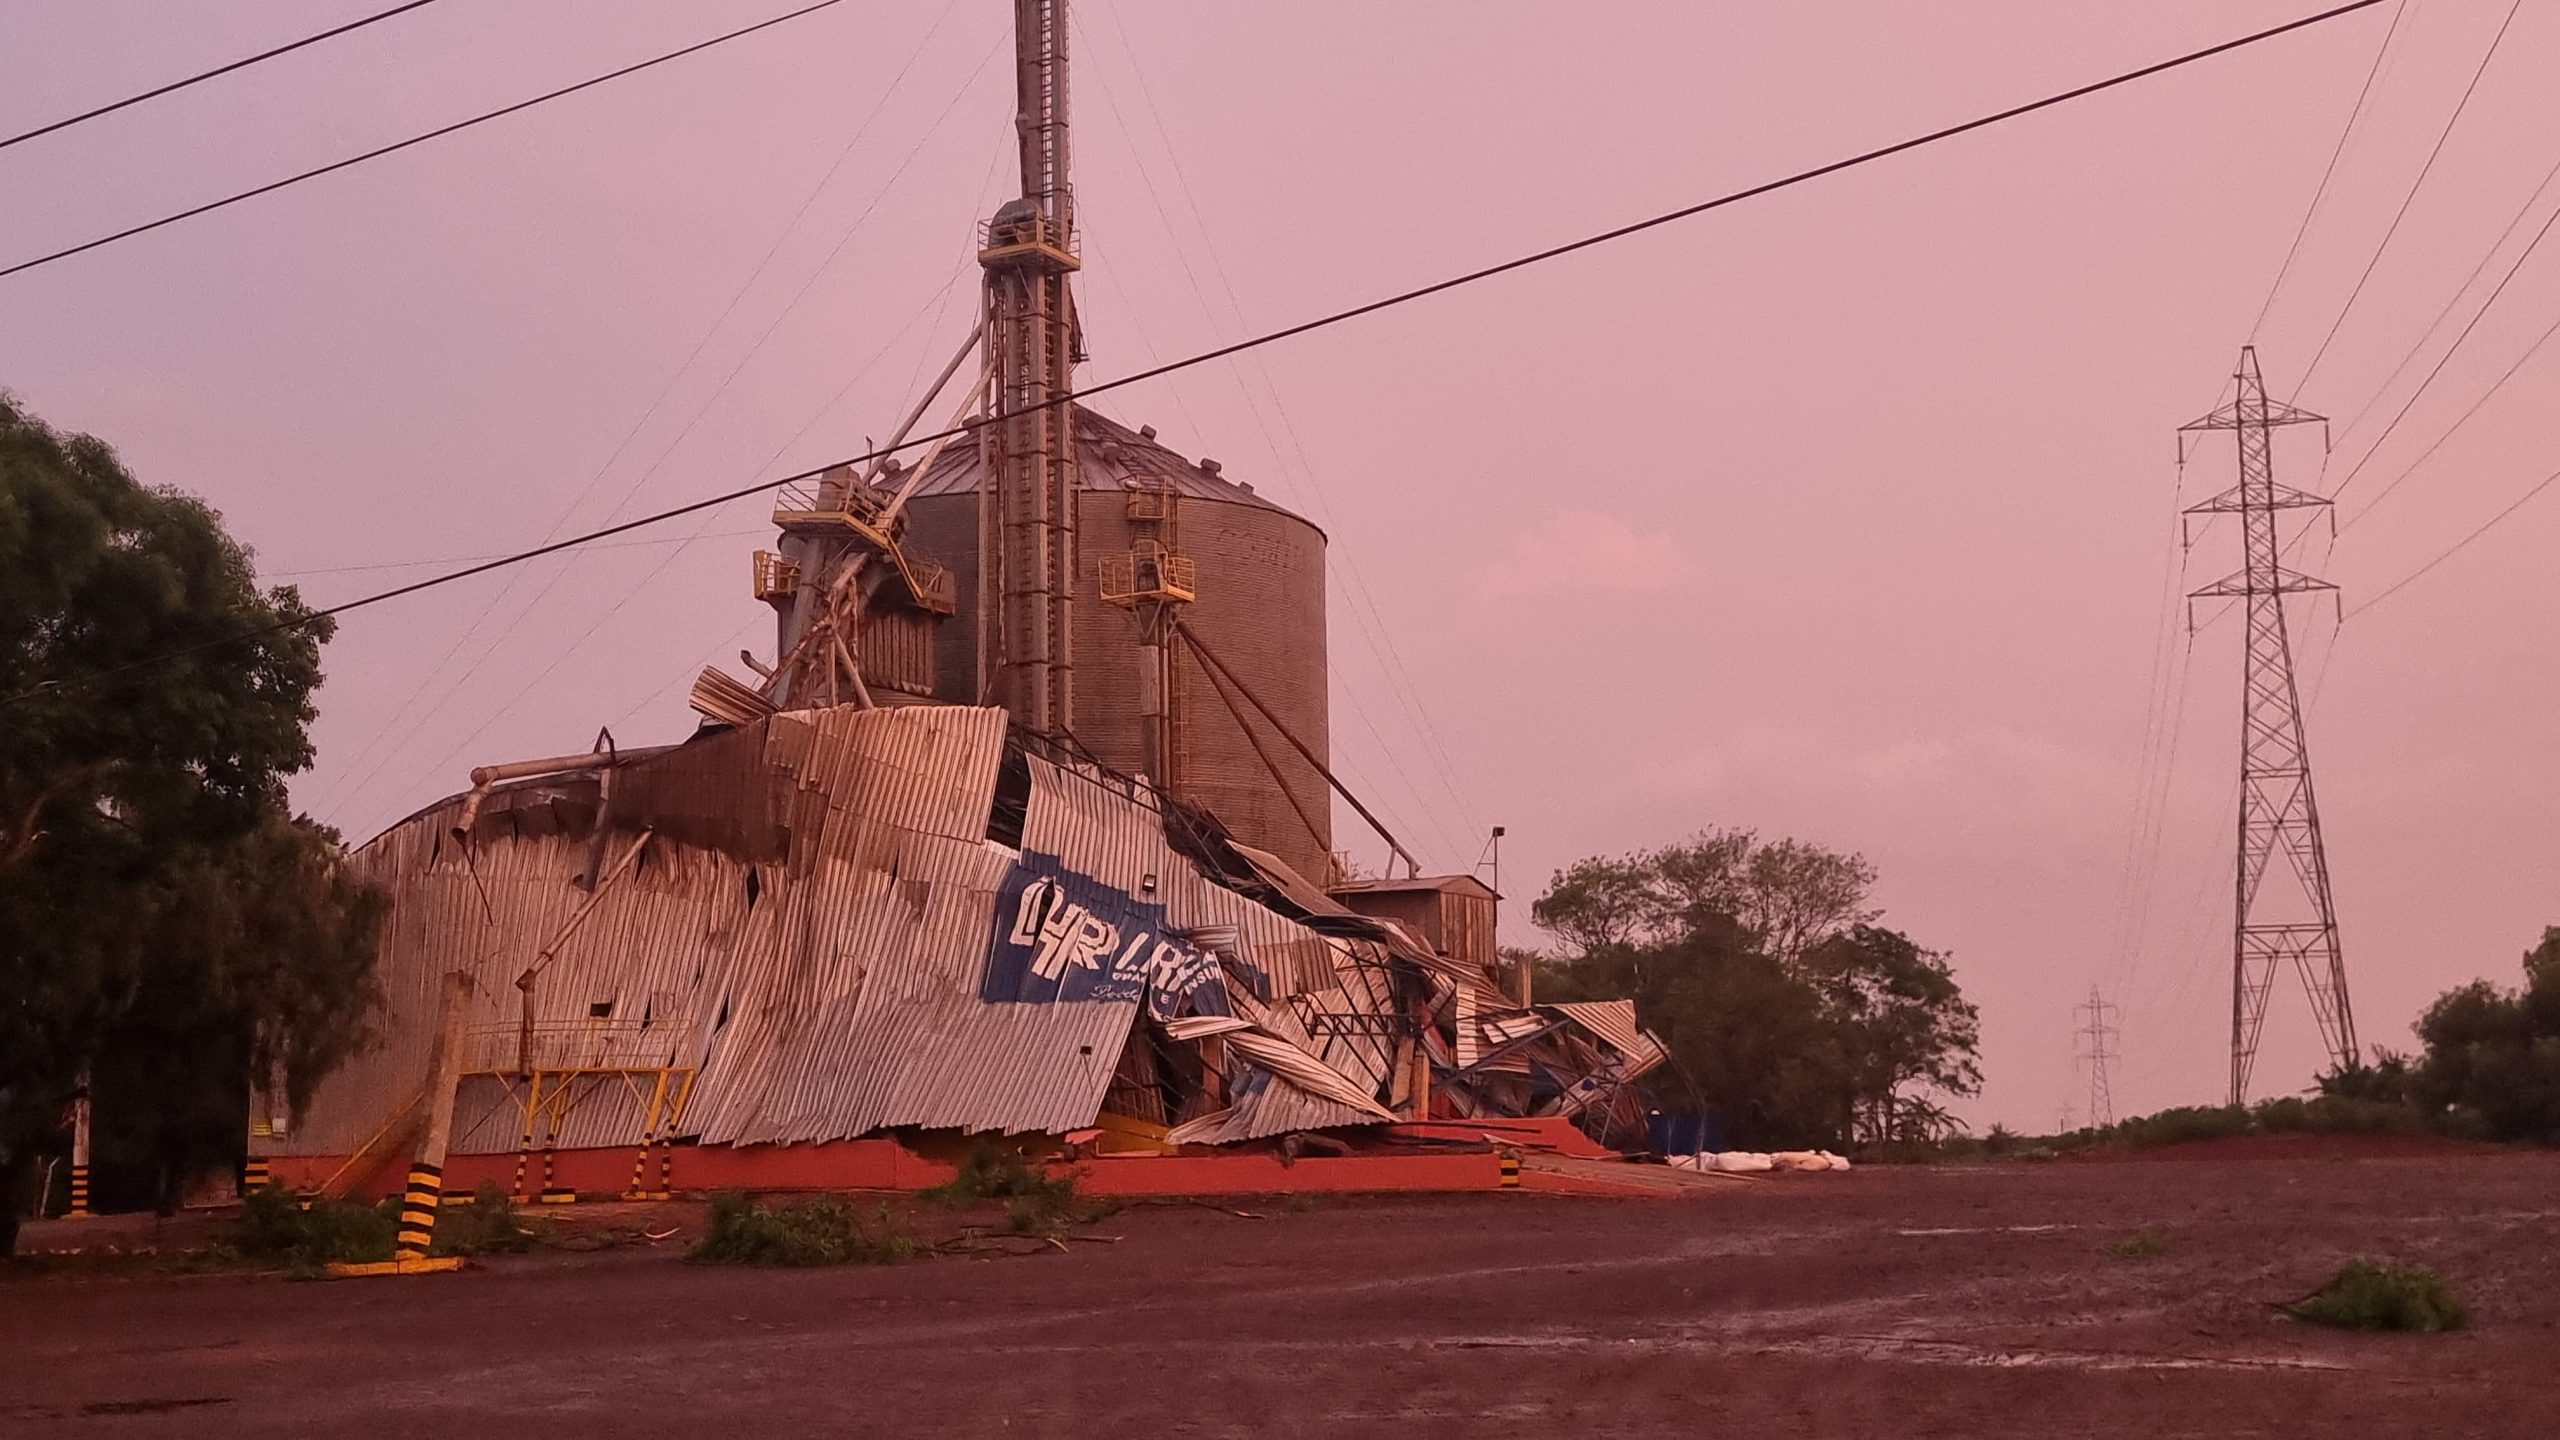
x: 2294, y: 920
x: 2097, y: 1035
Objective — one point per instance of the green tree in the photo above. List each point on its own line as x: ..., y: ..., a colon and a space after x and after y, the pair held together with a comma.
x: 2494, y: 1053
x: 148, y: 875
x: 1780, y: 1004
x: 1908, y: 1033
x: 1787, y: 895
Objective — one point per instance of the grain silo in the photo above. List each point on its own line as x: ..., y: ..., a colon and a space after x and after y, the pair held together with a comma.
x: 1256, y: 575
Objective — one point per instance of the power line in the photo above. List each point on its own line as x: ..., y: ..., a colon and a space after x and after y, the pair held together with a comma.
x: 2438, y: 369
x: 2514, y: 224
x: 790, y: 228
x: 220, y: 70
x: 2464, y: 419
x: 1289, y: 332
x: 2457, y: 548
x: 2414, y: 186
x: 398, y: 145
x: 2399, y: 12
x: 1344, y: 575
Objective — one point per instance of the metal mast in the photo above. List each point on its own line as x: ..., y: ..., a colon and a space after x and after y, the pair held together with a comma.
x: 1027, y: 514
x: 2292, y: 920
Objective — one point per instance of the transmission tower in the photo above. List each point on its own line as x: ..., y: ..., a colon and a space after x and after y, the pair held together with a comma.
x: 2097, y: 1036
x: 2292, y: 919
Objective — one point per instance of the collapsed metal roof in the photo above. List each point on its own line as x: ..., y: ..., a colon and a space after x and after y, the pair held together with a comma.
x: 811, y: 920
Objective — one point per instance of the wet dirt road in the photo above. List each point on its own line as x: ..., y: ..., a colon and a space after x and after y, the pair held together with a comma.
x: 1971, y: 1301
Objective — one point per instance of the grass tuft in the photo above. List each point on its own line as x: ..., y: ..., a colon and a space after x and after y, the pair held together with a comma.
x: 2148, y: 1243
x: 818, y: 1231
x: 2381, y: 1295
x: 485, y: 1224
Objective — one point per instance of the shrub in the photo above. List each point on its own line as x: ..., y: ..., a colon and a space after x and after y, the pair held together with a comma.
x: 2380, y: 1295
x: 275, y: 1229
x: 819, y: 1231
x: 1035, y: 1202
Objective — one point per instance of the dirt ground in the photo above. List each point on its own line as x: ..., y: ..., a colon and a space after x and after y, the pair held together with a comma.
x: 1956, y: 1301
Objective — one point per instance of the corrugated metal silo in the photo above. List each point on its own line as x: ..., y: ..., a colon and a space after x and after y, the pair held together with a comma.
x: 1260, y: 582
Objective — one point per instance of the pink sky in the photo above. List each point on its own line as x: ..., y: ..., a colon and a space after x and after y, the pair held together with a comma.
x: 1846, y: 513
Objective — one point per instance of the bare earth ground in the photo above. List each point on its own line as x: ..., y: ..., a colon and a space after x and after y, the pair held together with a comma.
x: 1961, y: 1301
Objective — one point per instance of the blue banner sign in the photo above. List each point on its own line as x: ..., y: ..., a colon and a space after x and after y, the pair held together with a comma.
x: 1063, y: 936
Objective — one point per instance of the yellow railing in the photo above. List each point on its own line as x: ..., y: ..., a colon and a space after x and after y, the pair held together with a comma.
x: 577, y: 1045
x: 775, y: 576
x: 1145, y: 575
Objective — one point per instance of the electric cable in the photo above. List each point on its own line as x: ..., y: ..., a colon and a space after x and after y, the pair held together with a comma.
x: 2438, y: 369
x: 2463, y: 419
x: 1288, y: 332
x: 399, y: 145
x: 2321, y: 192
x: 1369, y: 627
x: 220, y: 70
x: 1357, y: 597
x: 790, y: 228
x: 2457, y: 547
x: 2515, y: 223
x: 2414, y: 187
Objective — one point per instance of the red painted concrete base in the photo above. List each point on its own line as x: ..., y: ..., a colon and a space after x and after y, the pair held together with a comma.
x: 885, y: 1164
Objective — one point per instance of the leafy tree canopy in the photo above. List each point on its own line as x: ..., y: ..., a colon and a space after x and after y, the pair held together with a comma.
x: 1783, y: 1007
x: 150, y: 878
x: 2495, y: 1052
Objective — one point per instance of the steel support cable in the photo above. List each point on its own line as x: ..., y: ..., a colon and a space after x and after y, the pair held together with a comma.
x: 553, y: 581
x: 1361, y: 603
x: 2414, y: 187
x: 1315, y: 829
x: 399, y: 145
x: 1272, y: 337
x: 218, y: 71
x: 1219, y: 669
x: 2399, y: 12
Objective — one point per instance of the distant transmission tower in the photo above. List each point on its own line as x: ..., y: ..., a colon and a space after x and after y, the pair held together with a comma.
x: 2097, y: 1036
x: 2293, y: 919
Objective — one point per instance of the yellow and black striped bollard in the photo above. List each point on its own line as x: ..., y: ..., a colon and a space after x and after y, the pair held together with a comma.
x: 1510, y: 1171
x: 79, y: 1194
x: 255, y: 1175
x: 418, y: 1211
x: 553, y: 1192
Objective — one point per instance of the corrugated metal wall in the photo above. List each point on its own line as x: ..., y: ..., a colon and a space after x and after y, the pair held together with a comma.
x: 811, y: 919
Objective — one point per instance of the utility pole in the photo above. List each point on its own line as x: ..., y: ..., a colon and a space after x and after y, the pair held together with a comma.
x: 1027, y: 515
x: 2294, y: 920
x: 2097, y: 1036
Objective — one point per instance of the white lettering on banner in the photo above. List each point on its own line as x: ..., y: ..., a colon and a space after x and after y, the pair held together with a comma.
x: 1071, y: 938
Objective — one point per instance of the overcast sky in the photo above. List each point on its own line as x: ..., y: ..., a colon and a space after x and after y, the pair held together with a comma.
x: 1848, y: 513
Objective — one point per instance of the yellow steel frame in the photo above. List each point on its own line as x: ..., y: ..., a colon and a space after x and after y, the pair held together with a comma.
x: 1176, y: 580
